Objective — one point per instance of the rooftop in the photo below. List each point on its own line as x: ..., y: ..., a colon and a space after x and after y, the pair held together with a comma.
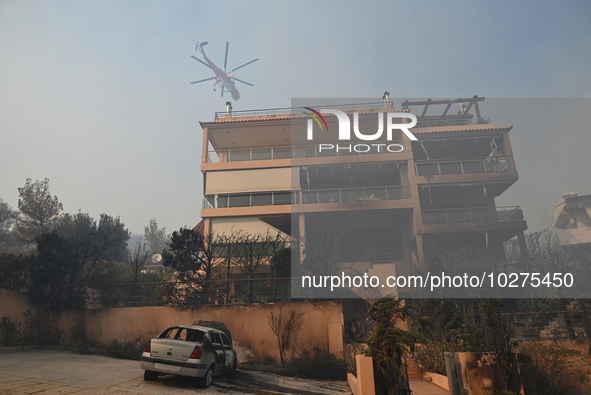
x: 286, y: 113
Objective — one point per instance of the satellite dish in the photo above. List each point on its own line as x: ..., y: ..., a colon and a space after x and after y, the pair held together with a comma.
x: 156, y: 258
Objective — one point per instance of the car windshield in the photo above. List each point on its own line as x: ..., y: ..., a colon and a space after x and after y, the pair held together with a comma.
x: 187, y: 334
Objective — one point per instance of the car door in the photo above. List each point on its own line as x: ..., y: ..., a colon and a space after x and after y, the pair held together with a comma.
x: 228, y: 353
x: 219, y: 355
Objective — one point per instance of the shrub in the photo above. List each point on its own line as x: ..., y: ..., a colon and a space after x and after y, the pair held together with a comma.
x: 556, y: 369
x: 41, y: 326
x: 286, y: 327
x: 9, y: 329
x: 430, y: 357
x: 126, y: 350
x: 319, y: 364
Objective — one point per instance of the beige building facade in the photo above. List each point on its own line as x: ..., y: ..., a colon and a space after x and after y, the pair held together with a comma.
x: 261, y: 174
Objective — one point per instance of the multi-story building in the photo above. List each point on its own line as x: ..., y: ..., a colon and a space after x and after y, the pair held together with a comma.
x: 440, y: 190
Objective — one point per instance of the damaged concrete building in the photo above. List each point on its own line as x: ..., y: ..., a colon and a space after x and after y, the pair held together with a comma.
x: 571, y: 217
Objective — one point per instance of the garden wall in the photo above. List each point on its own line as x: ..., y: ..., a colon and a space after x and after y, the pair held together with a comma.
x: 253, y: 339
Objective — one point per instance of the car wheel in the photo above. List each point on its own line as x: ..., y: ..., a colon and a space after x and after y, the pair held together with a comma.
x: 205, y: 381
x: 150, y: 376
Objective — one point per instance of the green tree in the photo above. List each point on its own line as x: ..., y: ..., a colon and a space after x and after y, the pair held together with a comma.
x: 387, y: 345
x: 196, y: 264
x: 155, y: 237
x: 252, y: 252
x: 436, y: 319
x: 137, y: 259
x: 68, y: 256
x: 104, y: 284
x: 49, y: 274
x: 7, y: 219
x: 501, y: 332
x: 38, y: 211
x: 14, y: 271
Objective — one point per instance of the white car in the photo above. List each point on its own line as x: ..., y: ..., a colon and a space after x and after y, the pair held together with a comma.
x: 189, y: 350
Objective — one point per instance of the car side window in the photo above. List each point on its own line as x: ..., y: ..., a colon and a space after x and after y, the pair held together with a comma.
x: 194, y: 335
x: 217, y: 340
x: 226, y: 341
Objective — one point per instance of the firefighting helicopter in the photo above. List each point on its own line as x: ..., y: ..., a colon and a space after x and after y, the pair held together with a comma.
x: 225, y: 80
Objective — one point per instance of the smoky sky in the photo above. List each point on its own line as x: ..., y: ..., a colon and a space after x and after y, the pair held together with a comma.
x: 96, y: 97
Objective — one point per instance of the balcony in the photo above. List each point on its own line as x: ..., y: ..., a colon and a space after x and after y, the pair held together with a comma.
x: 366, y: 194
x: 472, y: 214
x: 497, y: 164
x: 289, y: 152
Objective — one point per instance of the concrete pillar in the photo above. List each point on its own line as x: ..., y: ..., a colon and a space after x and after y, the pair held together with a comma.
x: 205, y: 145
x: 206, y: 226
x: 420, y: 252
x: 335, y: 339
x: 365, y: 378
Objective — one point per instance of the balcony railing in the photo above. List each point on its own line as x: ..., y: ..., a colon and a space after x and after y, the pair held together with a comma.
x: 346, y: 107
x: 452, y: 122
x: 306, y: 151
x: 497, y: 164
x: 365, y: 194
x: 251, y: 199
x: 299, y: 110
x: 472, y: 214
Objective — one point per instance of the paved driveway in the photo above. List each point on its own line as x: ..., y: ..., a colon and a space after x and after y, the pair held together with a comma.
x: 60, y: 373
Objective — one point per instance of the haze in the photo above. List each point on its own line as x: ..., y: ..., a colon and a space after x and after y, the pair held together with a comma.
x: 96, y: 97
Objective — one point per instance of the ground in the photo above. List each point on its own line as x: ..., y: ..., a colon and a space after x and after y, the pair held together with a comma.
x: 422, y: 387
x: 60, y: 373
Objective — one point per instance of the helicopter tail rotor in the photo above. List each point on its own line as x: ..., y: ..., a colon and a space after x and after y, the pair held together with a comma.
x: 198, y: 45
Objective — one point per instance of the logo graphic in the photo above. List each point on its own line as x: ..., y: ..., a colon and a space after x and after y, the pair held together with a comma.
x: 316, y: 119
x: 345, y: 124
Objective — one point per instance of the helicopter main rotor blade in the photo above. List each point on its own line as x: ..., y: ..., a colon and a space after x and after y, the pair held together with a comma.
x: 244, y: 82
x: 207, y: 79
x: 226, y: 59
x: 200, y: 61
x: 245, y: 64
x: 222, y: 91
